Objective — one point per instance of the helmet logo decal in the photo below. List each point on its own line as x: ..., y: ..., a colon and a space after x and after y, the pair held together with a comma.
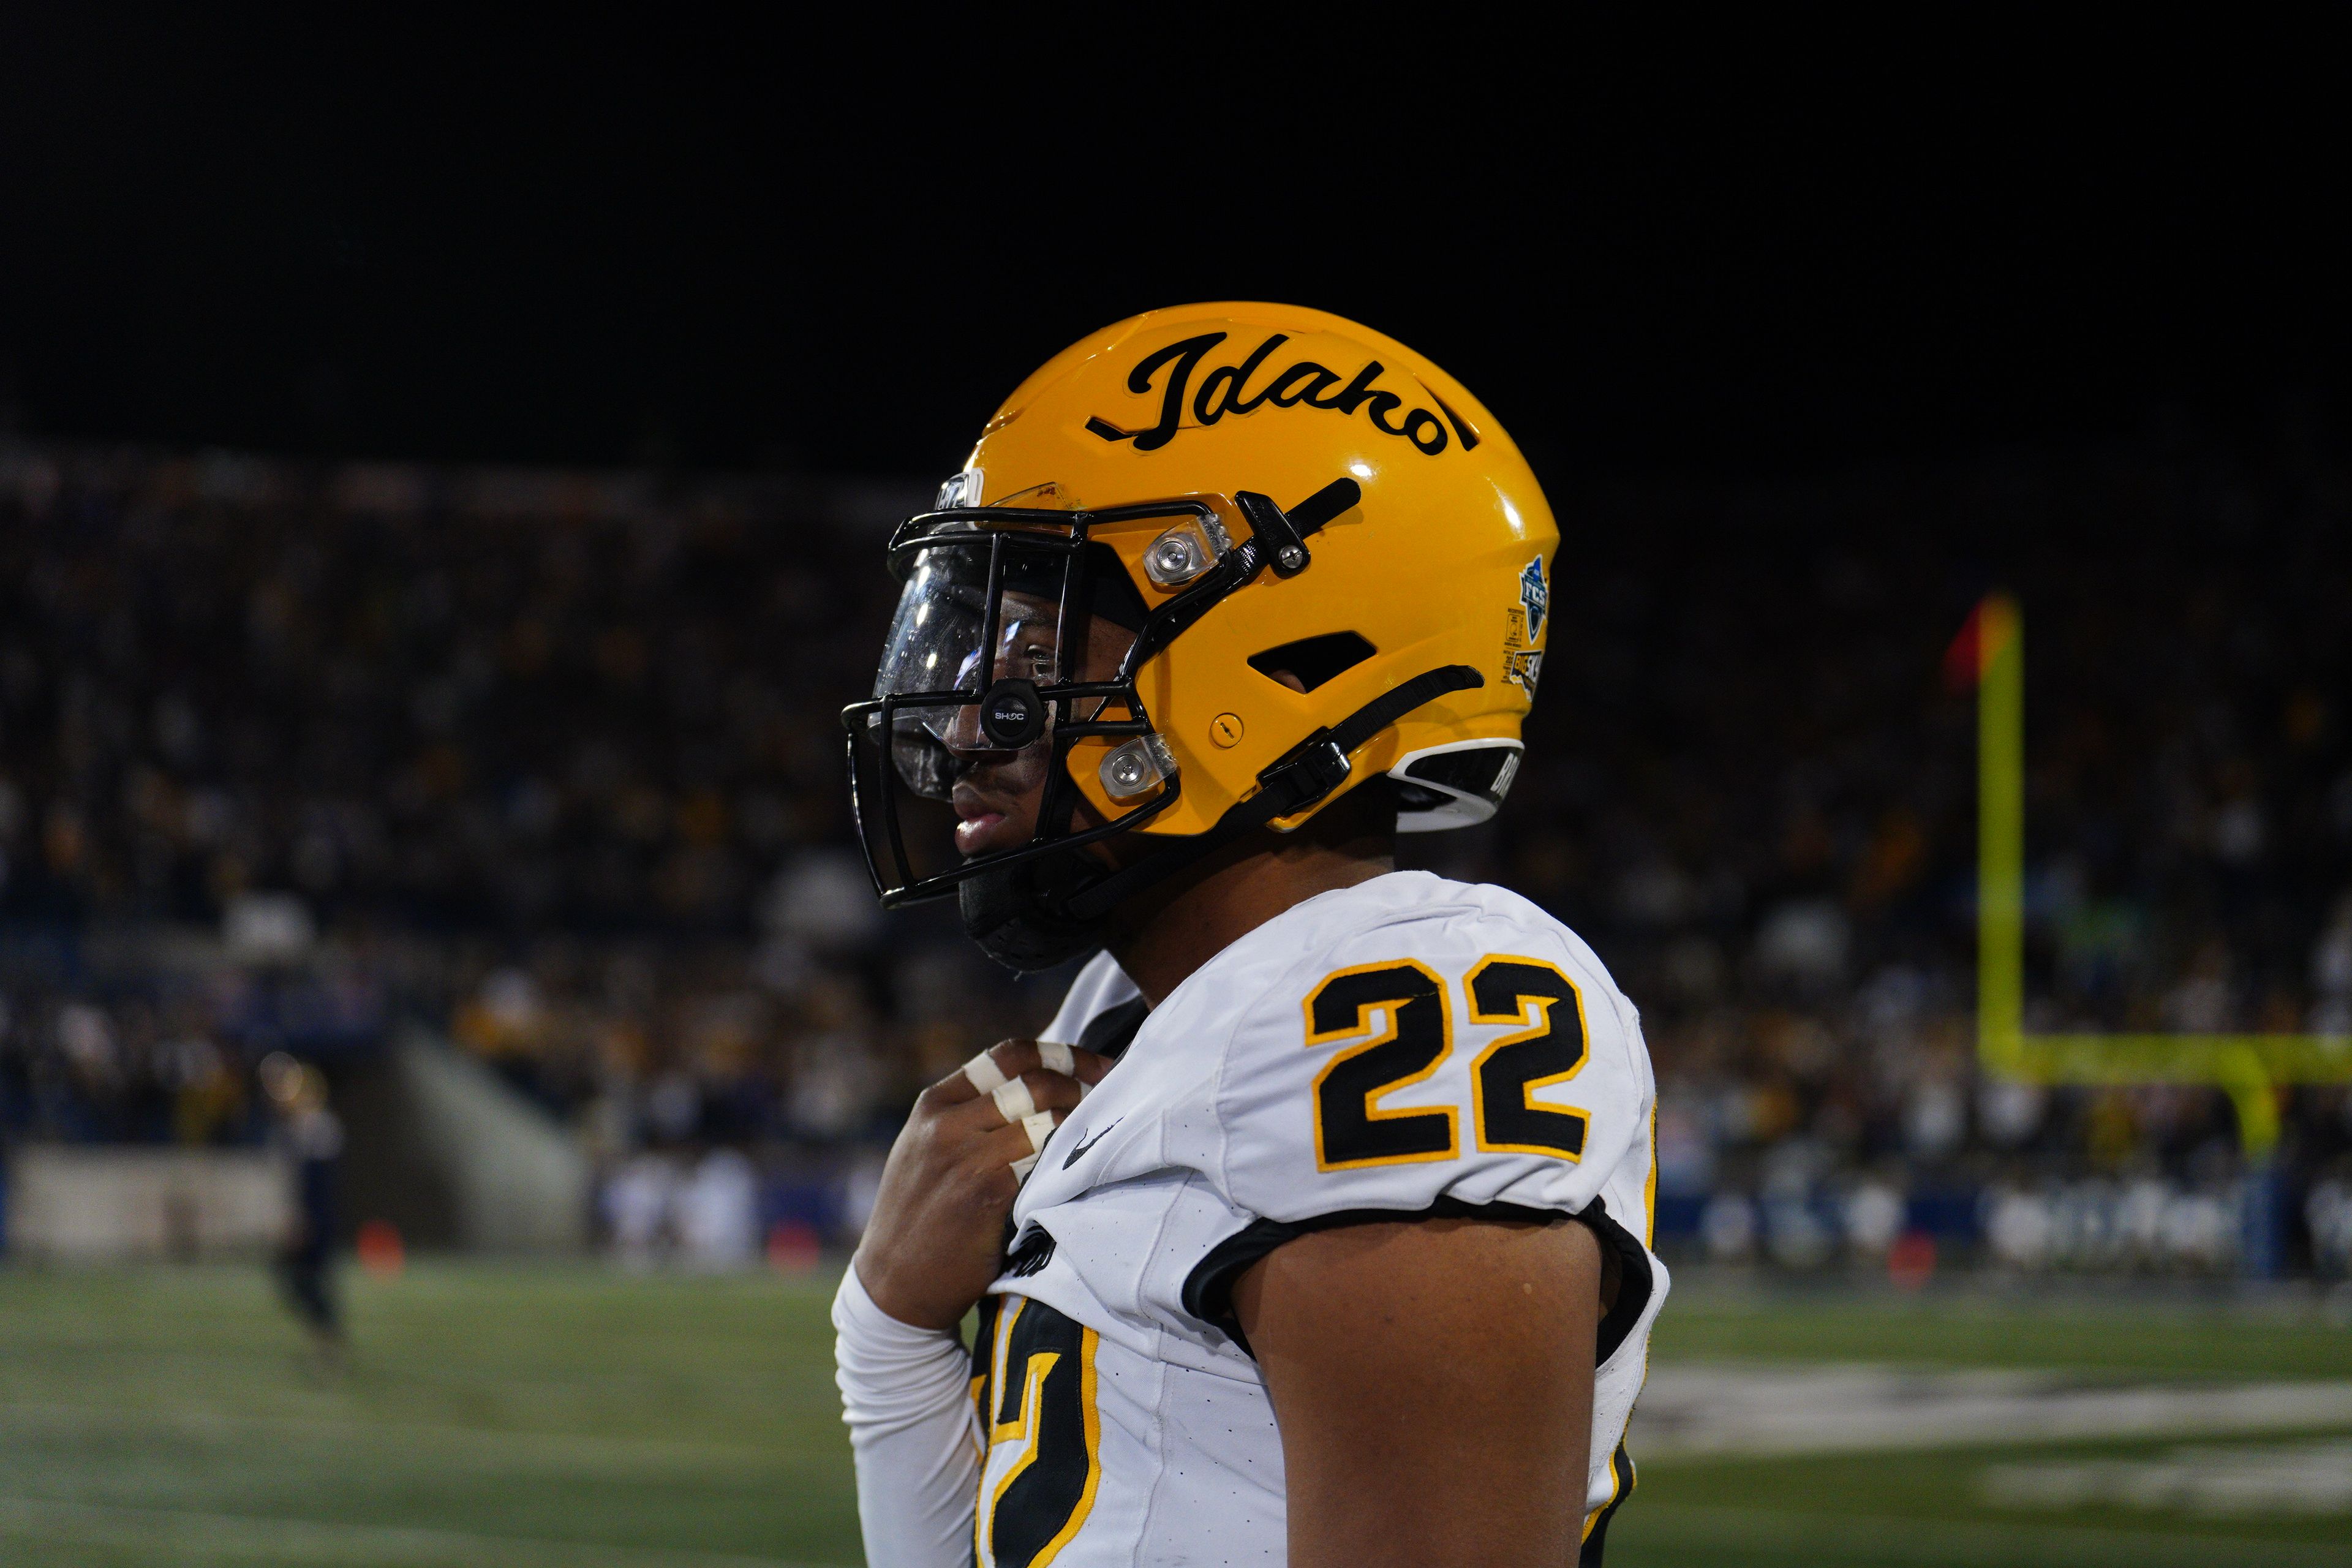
x: 1522, y: 659
x: 1222, y: 391
x: 1535, y: 597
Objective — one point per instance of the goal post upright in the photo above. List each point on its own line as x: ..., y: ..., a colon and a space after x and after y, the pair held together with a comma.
x: 2001, y: 836
x: 2249, y: 1067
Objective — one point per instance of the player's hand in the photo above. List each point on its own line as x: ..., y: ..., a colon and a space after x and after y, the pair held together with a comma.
x: 937, y: 1237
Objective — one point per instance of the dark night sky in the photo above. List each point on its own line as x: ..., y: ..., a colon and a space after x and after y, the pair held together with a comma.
x: 600, y: 246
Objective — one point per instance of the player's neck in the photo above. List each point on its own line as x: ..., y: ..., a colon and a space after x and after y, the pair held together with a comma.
x: 1164, y: 936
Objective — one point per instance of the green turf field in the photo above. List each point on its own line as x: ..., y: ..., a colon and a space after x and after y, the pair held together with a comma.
x: 561, y: 1415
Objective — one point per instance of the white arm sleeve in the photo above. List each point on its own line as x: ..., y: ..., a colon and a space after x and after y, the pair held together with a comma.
x: 906, y: 1394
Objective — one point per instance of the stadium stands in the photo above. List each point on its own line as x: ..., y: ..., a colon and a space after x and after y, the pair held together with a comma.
x: 290, y: 755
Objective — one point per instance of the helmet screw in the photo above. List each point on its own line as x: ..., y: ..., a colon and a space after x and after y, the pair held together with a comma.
x: 1172, y: 560
x: 1225, y: 729
x: 1136, y: 766
x: 1175, y: 558
x: 1292, y: 556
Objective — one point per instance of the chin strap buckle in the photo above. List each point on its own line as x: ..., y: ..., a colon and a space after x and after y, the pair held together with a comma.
x: 1281, y: 535
x: 1305, y: 773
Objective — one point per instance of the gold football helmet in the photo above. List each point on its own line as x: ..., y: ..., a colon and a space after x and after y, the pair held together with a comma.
x: 1226, y: 562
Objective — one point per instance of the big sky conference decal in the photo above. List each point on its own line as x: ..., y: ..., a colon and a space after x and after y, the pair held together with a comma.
x: 1305, y: 385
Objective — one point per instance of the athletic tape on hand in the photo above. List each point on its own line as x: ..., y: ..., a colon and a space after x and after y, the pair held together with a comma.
x: 985, y: 1075
x: 1039, y: 1125
x: 1015, y: 1100
x: 1057, y: 1058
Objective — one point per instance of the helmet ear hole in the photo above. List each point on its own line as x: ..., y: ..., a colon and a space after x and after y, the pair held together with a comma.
x: 1314, y: 660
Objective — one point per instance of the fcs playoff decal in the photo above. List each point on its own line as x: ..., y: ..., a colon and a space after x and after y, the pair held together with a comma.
x: 1522, y: 656
x: 1226, y: 389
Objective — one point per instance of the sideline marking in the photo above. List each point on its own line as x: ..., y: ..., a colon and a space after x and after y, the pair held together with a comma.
x: 1733, y: 1410
x: 192, y: 1534
x: 2305, y: 1478
x: 551, y: 1446
x: 1927, y: 1541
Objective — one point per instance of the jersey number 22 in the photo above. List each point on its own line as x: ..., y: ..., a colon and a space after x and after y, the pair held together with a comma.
x: 1416, y: 1034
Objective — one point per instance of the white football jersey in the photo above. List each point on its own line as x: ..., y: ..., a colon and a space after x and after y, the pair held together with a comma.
x: 1407, y: 1047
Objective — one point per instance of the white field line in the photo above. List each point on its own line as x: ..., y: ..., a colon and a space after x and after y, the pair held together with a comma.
x: 1747, y: 1534
x: 1724, y: 1409
x: 2285, y: 1478
x: 192, y: 1536
x: 551, y: 1447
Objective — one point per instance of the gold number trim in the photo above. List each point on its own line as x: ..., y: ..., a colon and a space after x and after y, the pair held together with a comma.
x: 1650, y: 1182
x: 1087, y: 1341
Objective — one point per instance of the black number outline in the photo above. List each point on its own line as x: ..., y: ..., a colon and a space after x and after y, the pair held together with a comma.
x: 1407, y: 1005
x: 1509, y: 1000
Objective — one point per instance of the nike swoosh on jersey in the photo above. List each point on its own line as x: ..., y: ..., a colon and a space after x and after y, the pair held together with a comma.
x: 1090, y: 1142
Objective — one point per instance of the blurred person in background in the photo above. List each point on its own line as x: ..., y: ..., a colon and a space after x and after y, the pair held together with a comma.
x: 312, y: 1136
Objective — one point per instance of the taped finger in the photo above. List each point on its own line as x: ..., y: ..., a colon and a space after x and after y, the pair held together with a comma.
x: 1039, y: 1127
x: 985, y: 1075
x: 1056, y: 1057
x: 1014, y: 1100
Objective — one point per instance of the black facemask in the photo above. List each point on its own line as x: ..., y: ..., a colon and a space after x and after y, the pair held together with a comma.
x: 956, y: 664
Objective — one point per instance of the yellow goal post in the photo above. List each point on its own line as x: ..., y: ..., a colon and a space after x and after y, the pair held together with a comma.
x: 2249, y: 1069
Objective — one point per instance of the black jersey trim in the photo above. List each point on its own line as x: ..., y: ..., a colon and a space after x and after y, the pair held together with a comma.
x: 1208, y: 1293
x: 1030, y: 1256
x: 1621, y: 1468
x: 1109, y: 1032
x: 1634, y: 1281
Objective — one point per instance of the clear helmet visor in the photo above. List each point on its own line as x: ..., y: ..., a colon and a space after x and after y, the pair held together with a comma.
x: 934, y: 649
x: 1011, y: 643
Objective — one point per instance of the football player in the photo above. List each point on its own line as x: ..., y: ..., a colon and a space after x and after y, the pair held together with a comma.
x: 1315, y: 1229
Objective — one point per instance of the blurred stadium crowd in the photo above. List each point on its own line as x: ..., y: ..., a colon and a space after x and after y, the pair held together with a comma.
x: 292, y: 757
